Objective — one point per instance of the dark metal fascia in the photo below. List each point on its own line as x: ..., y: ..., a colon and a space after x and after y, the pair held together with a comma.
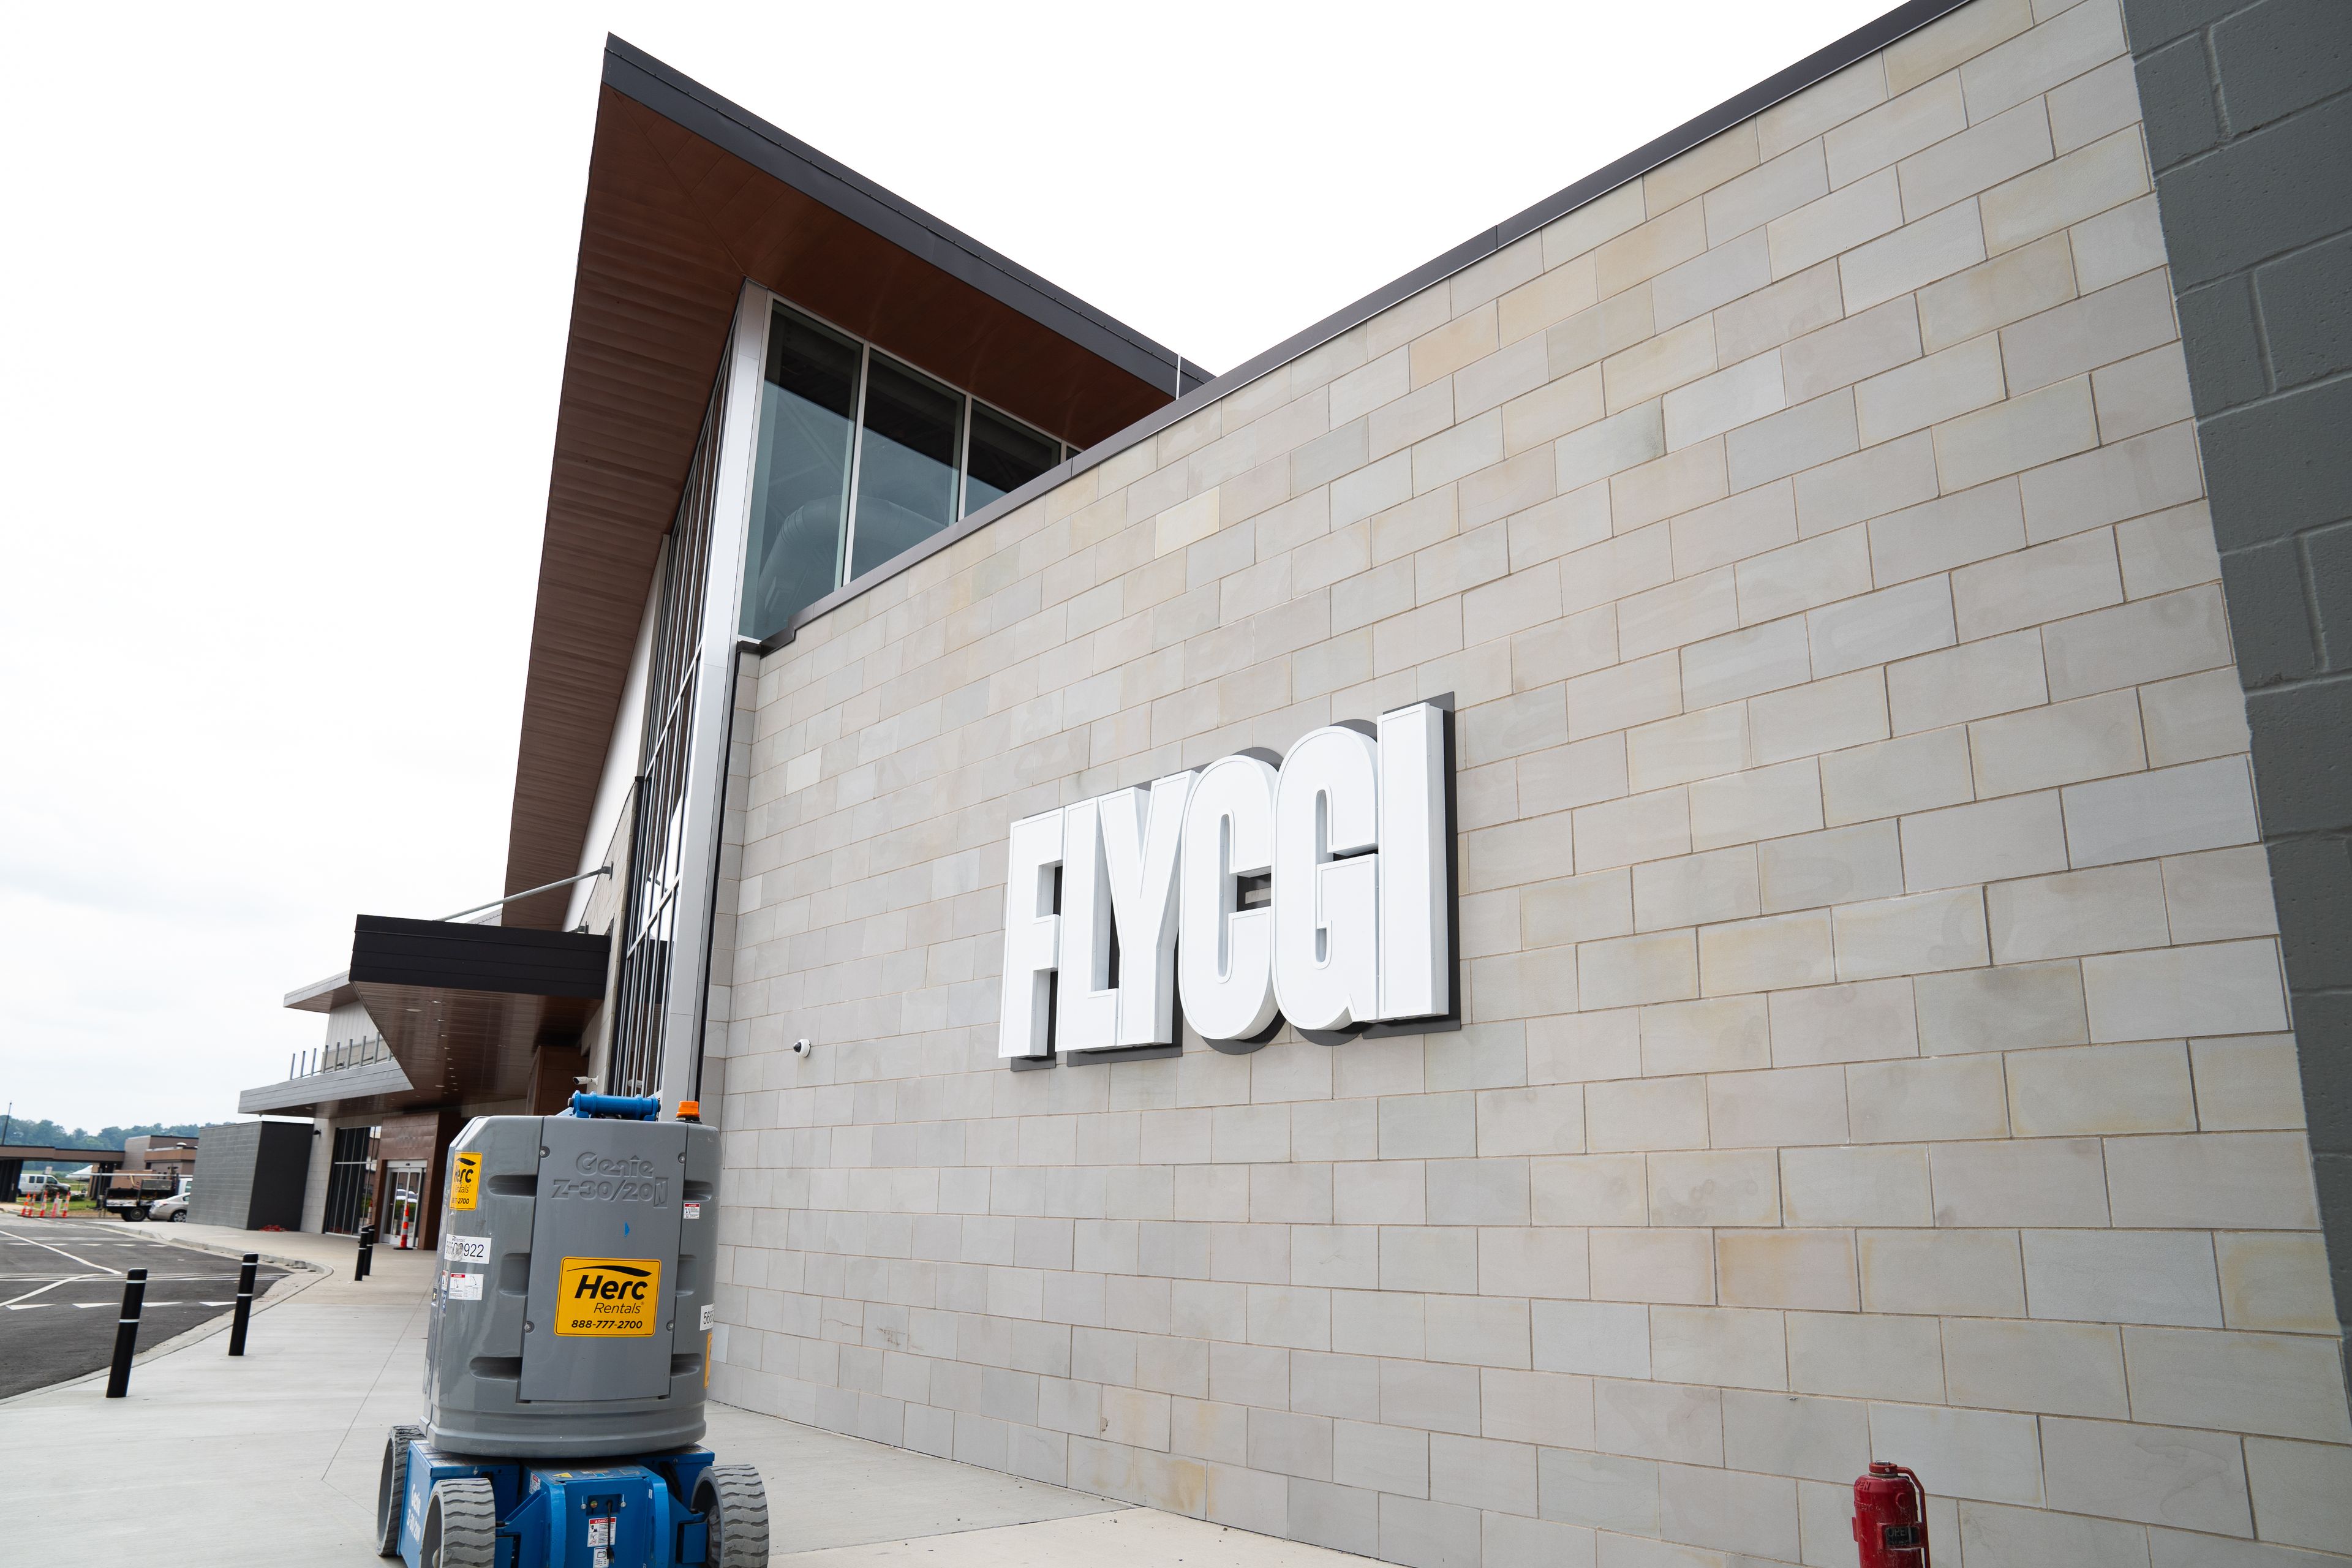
x: 1822, y: 64
x: 637, y: 75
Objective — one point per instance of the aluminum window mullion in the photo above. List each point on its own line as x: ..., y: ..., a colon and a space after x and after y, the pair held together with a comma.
x: 857, y: 464
x: 700, y: 797
x: 964, y: 461
x: 634, y: 1062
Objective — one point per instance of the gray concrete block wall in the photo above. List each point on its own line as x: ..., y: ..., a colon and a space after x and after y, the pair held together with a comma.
x: 2249, y: 114
x: 1874, y: 1039
x: 226, y: 1155
x: 252, y: 1174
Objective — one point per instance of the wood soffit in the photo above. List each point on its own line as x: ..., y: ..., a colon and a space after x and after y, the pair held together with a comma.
x: 686, y: 200
x: 672, y: 225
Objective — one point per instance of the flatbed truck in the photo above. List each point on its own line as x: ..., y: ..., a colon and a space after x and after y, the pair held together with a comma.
x: 131, y: 1194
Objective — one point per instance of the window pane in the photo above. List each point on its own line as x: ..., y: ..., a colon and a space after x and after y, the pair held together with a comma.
x: 800, y: 486
x: 906, y: 466
x: 1004, y: 457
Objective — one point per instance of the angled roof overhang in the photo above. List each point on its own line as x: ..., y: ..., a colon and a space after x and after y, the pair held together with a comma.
x: 688, y: 195
x: 461, y: 1008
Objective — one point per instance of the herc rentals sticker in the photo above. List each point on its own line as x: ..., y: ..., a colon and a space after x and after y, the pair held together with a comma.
x: 609, y: 1298
x: 466, y: 1183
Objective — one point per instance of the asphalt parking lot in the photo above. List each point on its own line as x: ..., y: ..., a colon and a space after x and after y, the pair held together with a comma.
x: 61, y: 1286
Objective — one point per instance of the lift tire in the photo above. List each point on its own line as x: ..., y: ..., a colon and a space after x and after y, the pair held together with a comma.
x: 461, y: 1525
x: 734, y: 1505
x: 392, y: 1489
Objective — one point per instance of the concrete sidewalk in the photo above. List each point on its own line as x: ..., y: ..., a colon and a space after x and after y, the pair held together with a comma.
x: 273, y: 1458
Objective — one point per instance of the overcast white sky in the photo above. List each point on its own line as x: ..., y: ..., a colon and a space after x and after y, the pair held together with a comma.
x: 285, y: 297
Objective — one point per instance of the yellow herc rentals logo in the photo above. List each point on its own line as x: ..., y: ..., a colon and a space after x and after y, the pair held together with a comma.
x: 608, y: 1298
x: 465, y: 1181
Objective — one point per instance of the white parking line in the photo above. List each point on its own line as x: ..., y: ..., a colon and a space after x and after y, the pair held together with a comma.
x: 50, y: 1286
x: 61, y: 1252
x: 39, y: 1306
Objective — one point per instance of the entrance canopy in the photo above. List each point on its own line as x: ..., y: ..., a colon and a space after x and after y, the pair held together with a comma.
x: 462, y: 1009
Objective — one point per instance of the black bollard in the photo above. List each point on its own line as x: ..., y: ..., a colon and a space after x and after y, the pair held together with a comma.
x: 126, y: 1333
x: 244, y: 1303
x: 367, y: 1252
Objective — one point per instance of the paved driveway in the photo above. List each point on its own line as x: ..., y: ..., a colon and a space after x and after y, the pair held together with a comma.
x: 61, y: 1292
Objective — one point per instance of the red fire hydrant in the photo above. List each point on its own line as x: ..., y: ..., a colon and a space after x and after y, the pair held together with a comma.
x: 1890, y: 1518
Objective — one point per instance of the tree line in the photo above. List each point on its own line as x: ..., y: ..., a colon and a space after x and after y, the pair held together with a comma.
x: 34, y: 1129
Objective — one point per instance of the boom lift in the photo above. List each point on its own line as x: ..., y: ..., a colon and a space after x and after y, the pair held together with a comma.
x: 568, y: 1355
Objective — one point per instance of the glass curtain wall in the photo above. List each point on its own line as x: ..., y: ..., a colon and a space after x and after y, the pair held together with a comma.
x: 908, y: 442
x: 800, y: 486
x: 657, y: 831
x: 1004, y: 456
x: 860, y: 459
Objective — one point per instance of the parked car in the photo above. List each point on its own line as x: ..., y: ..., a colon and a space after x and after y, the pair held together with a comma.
x: 174, y: 1208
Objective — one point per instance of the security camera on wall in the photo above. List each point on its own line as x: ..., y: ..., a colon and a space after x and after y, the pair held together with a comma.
x: 800, y: 1047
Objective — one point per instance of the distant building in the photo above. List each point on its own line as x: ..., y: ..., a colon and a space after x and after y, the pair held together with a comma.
x: 160, y: 1154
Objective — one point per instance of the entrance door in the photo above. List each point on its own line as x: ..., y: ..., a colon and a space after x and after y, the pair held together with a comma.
x: 404, y: 1198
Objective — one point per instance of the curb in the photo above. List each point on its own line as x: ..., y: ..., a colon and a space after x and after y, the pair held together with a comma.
x: 221, y: 1249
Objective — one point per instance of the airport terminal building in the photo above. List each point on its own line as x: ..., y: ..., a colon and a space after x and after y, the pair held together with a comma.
x: 1703, y: 842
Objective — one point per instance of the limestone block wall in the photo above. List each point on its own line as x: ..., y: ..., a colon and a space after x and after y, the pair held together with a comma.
x: 1875, y: 1042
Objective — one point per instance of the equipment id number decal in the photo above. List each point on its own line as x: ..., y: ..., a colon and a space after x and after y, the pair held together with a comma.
x: 608, y: 1298
x: 466, y: 1248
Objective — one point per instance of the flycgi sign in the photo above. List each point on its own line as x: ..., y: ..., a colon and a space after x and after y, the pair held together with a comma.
x: 1120, y: 910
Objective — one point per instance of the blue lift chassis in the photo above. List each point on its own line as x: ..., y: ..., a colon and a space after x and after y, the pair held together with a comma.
x: 667, y: 1511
